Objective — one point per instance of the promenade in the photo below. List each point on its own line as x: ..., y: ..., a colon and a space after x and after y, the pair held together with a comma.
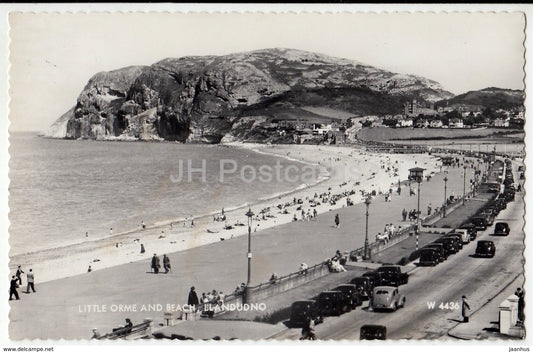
x: 69, y: 308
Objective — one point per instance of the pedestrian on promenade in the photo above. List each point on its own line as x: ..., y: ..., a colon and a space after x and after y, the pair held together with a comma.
x: 30, y: 278
x: 465, y: 311
x: 404, y: 214
x: 166, y: 263
x: 13, y: 288
x: 429, y: 209
x: 143, y: 225
x: 18, y: 274
x: 337, y: 221
x: 193, y: 299
x: 156, y: 264
x: 142, y: 248
x: 521, y: 303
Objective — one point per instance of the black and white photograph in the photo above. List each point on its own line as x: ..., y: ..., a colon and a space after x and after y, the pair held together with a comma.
x: 274, y: 177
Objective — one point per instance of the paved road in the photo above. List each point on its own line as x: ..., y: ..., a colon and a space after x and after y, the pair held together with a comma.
x: 478, y: 278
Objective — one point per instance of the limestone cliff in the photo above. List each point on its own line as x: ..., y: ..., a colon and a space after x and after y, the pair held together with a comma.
x: 204, y: 99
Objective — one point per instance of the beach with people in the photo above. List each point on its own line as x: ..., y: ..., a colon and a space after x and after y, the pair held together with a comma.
x: 344, y: 177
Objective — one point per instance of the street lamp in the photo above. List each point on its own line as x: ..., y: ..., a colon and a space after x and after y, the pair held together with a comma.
x: 464, y: 184
x: 367, y: 254
x: 249, y: 214
x: 445, y: 197
x: 417, y: 174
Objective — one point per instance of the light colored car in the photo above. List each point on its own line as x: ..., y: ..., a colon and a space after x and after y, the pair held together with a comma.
x: 387, y: 297
x: 465, y: 236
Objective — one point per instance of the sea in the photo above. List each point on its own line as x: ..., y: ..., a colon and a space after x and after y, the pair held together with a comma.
x: 62, y: 189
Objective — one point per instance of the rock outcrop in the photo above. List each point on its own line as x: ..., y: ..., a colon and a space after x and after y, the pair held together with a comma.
x: 212, y: 98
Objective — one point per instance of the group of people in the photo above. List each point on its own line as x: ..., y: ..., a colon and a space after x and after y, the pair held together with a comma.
x: 16, y: 282
x: 335, y: 263
x: 156, y: 264
x: 412, y: 215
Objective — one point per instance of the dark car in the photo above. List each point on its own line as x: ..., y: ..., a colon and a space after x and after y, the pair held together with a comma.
x: 428, y: 257
x: 374, y: 278
x: 471, y: 228
x: 448, y: 244
x: 333, y: 303
x: 485, y: 249
x: 351, y: 293
x: 439, y: 247
x: 373, y: 332
x: 501, y: 229
x: 304, y: 312
x: 391, y: 275
x: 458, y: 242
x: 489, y: 216
x: 480, y: 222
x: 363, y: 286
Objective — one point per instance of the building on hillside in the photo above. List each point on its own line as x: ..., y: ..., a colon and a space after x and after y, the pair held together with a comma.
x: 405, y: 123
x: 456, y: 123
x: 499, y: 122
x: 422, y: 123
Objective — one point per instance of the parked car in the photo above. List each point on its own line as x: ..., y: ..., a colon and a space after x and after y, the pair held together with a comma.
x: 387, y: 297
x: 480, y: 222
x: 465, y: 236
x: 485, y: 249
x: 373, y: 332
x: 439, y: 247
x: 471, y: 228
x: 391, y: 275
x: 374, y: 278
x: 458, y: 241
x: 333, y: 303
x: 428, y: 257
x: 363, y: 286
x: 304, y: 312
x: 449, y: 245
x: 501, y: 229
x: 351, y: 293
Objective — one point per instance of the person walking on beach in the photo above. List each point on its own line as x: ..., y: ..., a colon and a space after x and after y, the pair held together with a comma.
x: 13, y: 288
x: 143, y: 225
x: 465, y: 310
x: 156, y: 264
x: 193, y: 299
x: 337, y: 221
x: 166, y: 263
x: 142, y: 248
x: 404, y: 214
x: 19, y: 274
x: 30, y: 278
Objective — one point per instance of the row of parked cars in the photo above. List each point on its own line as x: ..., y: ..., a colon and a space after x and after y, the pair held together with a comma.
x: 380, y: 286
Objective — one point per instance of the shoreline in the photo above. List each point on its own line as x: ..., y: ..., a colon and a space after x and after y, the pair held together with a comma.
x: 123, y: 248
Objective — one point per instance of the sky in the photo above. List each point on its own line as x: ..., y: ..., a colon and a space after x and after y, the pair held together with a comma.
x: 52, y: 56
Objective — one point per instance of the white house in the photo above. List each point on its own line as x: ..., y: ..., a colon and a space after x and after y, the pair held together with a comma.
x: 456, y: 123
x: 435, y: 124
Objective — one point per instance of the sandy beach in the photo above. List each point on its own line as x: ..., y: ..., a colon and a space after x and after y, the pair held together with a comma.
x: 344, y: 170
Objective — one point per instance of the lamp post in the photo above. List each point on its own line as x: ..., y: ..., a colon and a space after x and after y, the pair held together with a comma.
x: 249, y: 214
x: 367, y: 254
x: 464, y: 183
x: 445, y: 197
x: 417, y: 174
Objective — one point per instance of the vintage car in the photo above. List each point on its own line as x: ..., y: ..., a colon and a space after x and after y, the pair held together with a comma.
x: 387, y: 297
x: 480, y: 222
x: 501, y: 229
x: 465, y: 236
x: 485, y: 249
x: 373, y: 332
x: 391, y: 275
x: 439, y: 247
x: 304, y: 312
x: 428, y: 257
x: 448, y: 244
x: 458, y: 241
x: 471, y: 228
x: 333, y: 303
x: 351, y: 293
x: 363, y: 286
x: 374, y: 278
